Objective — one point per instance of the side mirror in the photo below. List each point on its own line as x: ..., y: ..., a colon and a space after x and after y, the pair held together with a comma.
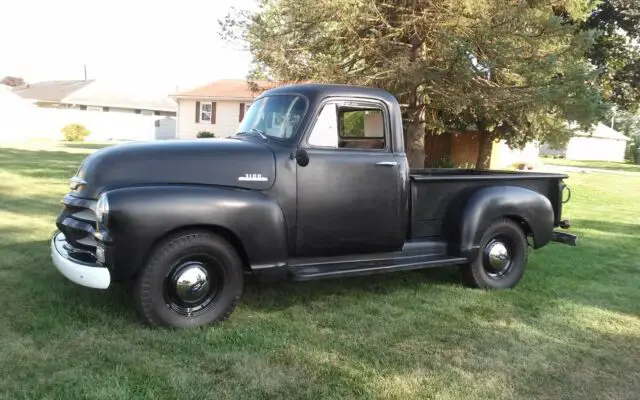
x: 302, y: 157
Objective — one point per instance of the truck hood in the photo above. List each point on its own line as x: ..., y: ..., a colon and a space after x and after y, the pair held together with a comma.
x: 226, y: 162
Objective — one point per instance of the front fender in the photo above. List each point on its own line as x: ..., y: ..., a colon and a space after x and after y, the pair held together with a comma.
x: 490, y: 203
x: 140, y: 216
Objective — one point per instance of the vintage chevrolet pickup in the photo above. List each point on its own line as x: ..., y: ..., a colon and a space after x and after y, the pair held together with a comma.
x: 314, y: 185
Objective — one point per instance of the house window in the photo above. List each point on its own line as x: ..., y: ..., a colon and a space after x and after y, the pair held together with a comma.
x: 206, y: 112
x: 105, y: 109
x: 84, y: 108
x: 138, y: 111
x: 242, y: 110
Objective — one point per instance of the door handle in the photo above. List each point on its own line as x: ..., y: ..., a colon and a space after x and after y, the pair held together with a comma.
x: 387, y: 163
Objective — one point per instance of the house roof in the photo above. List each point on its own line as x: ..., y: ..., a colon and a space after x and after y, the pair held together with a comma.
x: 121, y: 94
x: 602, y: 131
x: 53, y: 91
x: 226, y: 89
x: 96, y: 93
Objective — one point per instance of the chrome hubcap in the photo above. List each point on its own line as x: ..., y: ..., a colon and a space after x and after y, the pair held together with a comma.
x: 192, y: 283
x: 498, y: 255
x: 497, y: 259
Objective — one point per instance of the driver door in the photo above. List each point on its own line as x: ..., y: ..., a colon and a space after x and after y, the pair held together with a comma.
x: 348, y: 193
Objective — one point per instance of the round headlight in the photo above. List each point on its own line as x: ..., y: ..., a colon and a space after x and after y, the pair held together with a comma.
x: 102, y: 209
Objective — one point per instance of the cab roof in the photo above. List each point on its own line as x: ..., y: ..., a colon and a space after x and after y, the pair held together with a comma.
x: 316, y: 91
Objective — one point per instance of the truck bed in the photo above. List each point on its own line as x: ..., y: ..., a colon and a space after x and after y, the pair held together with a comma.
x: 434, y: 192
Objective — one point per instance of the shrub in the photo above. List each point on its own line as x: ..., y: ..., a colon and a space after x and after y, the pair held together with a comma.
x: 75, y: 132
x: 522, y: 165
x: 444, y: 162
x: 205, y: 134
x: 633, y: 146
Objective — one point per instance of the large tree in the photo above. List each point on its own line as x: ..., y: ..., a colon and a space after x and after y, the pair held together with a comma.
x: 617, y: 50
x: 512, y: 71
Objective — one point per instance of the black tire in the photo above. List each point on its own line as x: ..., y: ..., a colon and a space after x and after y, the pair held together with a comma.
x: 156, y: 297
x: 481, y: 273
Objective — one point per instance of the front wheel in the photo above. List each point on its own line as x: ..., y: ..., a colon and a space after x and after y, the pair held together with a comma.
x: 501, y: 259
x: 191, y: 279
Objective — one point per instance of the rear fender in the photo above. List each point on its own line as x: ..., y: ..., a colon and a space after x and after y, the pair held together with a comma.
x: 141, y: 216
x: 490, y: 203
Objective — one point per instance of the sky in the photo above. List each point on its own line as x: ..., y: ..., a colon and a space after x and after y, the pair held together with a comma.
x: 155, y: 45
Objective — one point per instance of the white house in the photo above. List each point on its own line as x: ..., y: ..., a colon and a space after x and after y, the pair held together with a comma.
x: 41, y: 110
x: 217, y: 107
x: 601, y: 144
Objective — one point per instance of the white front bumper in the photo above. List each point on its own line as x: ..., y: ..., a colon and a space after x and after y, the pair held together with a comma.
x: 90, y: 275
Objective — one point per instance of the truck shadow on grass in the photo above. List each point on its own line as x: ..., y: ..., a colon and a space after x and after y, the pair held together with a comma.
x: 545, y: 282
x: 279, y: 295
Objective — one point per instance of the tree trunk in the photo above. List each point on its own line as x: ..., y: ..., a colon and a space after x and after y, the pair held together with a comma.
x: 415, y: 145
x: 485, y: 145
x: 413, y: 131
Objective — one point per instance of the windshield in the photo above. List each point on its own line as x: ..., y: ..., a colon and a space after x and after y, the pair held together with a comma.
x: 274, y: 116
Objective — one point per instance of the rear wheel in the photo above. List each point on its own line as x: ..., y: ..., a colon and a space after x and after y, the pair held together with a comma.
x: 191, y: 279
x: 502, y: 257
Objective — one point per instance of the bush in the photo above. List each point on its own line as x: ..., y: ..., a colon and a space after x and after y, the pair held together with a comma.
x: 444, y: 162
x: 522, y: 165
x: 205, y: 134
x: 75, y: 132
x: 631, y: 153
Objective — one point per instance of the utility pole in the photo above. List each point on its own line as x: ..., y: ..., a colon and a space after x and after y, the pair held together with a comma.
x: 85, y: 71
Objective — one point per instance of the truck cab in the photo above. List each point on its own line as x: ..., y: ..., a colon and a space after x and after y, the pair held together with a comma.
x: 315, y: 184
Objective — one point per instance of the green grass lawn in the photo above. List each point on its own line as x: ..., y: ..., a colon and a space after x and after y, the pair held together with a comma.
x: 570, y: 330
x: 592, y: 164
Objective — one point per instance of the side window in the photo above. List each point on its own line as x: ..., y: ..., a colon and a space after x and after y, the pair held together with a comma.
x: 325, y: 130
x: 349, y: 128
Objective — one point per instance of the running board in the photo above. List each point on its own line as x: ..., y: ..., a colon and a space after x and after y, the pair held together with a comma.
x: 328, y: 269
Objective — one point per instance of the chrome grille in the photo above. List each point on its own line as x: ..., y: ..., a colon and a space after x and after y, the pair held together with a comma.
x: 78, y: 221
x: 85, y: 215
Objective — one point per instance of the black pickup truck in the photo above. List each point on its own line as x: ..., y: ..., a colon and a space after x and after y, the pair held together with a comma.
x: 314, y: 185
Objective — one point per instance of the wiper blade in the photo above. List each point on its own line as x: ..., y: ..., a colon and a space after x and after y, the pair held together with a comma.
x: 259, y: 132
x: 254, y: 131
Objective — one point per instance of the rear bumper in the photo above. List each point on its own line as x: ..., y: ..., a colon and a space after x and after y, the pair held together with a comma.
x: 91, y: 275
x: 564, y: 238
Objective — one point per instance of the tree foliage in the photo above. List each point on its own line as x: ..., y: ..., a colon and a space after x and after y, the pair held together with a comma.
x: 627, y: 123
x: 513, y: 71
x: 616, y: 51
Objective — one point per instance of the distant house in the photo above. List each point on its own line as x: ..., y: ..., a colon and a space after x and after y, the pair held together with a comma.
x: 95, y: 95
x: 601, y: 144
x: 217, y: 107
x: 109, y: 111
